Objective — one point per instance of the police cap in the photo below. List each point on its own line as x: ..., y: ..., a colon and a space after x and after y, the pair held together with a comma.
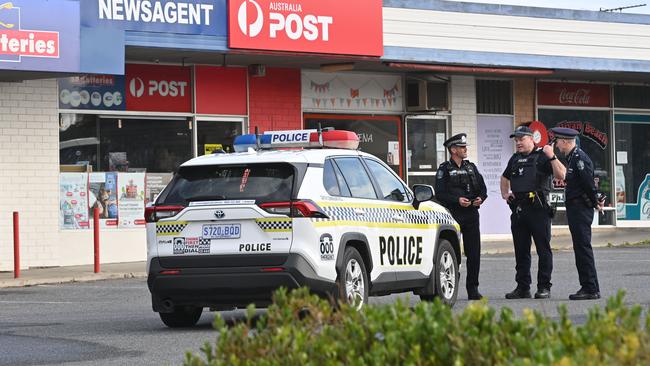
x: 456, y: 140
x: 564, y: 133
x: 522, y: 131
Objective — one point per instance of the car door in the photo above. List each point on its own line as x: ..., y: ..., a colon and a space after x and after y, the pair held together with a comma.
x: 405, y: 237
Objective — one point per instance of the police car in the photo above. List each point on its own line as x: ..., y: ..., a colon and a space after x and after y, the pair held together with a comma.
x: 229, y: 229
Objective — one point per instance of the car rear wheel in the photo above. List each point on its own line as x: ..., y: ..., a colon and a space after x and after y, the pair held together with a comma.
x: 352, y: 281
x: 445, y: 275
x: 182, y: 317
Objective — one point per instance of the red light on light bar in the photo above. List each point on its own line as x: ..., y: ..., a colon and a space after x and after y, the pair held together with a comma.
x: 170, y: 272
x: 273, y: 269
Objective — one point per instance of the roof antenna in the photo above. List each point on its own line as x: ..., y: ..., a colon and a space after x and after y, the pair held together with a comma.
x: 320, y: 135
x: 257, y: 137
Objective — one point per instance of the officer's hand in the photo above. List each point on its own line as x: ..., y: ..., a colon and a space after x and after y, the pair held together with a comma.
x: 477, y: 202
x: 601, y: 205
x: 464, y: 202
x: 548, y: 151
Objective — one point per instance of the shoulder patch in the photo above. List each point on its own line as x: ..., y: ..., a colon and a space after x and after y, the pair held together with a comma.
x: 440, y: 174
x: 581, y: 165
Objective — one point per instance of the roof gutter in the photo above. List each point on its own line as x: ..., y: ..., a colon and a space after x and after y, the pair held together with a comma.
x: 470, y: 69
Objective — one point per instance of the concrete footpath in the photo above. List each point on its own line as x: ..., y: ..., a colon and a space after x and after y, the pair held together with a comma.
x: 602, y: 237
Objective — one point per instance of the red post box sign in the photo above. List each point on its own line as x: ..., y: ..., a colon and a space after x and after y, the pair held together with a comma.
x: 158, y: 88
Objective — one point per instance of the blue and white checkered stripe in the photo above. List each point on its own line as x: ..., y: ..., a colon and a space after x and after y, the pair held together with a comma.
x: 384, y: 214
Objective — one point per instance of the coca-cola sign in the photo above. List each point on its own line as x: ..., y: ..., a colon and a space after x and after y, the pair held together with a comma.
x: 573, y: 94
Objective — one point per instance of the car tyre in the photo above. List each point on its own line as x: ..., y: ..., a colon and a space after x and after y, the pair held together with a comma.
x: 445, y: 275
x: 182, y: 317
x: 352, y: 280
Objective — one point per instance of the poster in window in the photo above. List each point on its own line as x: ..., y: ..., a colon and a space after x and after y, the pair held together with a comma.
x: 73, y: 201
x: 156, y: 182
x: 130, y: 202
x: 102, y: 195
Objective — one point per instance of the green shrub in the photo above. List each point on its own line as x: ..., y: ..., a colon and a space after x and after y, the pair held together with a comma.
x: 302, y: 329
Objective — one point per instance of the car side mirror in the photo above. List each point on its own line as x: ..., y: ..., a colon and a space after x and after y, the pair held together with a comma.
x: 423, y: 193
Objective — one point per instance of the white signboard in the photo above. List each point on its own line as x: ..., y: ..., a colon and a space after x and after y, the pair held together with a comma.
x: 351, y: 92
x: 130, y: 201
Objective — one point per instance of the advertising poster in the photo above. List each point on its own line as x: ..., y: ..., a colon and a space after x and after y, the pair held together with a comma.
x: 103, y: 195
x: 210, y: 148
x: 495, y: 150
x: 156, y: 182
x: 393, y: 153
x: 620, y: 192
x: 130, y: 201
x: 96, y: 92
x: 73, y: 201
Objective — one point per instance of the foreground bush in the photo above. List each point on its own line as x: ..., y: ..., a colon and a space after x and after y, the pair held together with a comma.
x: 301, y: 329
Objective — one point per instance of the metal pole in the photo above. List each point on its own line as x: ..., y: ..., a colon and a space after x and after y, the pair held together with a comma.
x: 16, y: 246
x: 96, y: 237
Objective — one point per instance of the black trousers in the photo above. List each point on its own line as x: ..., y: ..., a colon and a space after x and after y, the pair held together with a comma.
x: 580, y: 218
x: 468, y: 218
x: 527, y: 222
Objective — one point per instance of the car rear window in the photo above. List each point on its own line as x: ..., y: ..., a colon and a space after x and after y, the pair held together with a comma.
x: 268, y: 182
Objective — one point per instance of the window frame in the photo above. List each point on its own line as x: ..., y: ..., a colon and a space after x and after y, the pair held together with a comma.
x: 365, y: 169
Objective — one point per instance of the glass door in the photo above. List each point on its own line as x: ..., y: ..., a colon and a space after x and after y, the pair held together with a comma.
x: 425, y: 136
x: 217, y: 134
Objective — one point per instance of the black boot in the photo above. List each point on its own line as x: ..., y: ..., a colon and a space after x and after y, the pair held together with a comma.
x: 518, y: 293
x: 473, y: 294
x: 583, y: 294
x: 543, y: 293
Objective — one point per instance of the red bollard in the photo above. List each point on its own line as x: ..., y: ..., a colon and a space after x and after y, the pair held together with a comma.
x: 16, y: 246
x: 96, y: 235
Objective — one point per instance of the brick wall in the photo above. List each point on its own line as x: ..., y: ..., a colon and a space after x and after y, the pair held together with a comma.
x: 524, y: 91
x: 463, y: 111
x: 29, y: 171
x: 274, y: 102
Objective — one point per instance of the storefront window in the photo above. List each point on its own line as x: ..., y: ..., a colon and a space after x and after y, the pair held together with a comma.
x: 217, y: 135
x: 594, y: 139
x: 124, y: 144
x: 378, y: 135
x: 632, y: 166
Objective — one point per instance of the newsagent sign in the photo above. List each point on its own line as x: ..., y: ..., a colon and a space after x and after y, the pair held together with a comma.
x: 39, y: 35
x: 333, y: 27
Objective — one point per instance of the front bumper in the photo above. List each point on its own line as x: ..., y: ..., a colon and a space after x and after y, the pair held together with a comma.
x: 225, y: 283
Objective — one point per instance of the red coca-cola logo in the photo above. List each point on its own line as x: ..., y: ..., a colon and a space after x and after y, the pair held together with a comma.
x: 573, y: 94
x: 577, y: 97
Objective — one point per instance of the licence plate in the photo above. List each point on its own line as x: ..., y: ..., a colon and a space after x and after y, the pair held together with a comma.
x: 221, y: 231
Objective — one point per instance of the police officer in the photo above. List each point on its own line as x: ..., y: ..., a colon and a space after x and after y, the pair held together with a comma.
x: 460, y: 188
x: 581, y: 200
x: 525, y: 185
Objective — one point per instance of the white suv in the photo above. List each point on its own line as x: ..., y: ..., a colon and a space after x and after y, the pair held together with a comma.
x: 232, y: 228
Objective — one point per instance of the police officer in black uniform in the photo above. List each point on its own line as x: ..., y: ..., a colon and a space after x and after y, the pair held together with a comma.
x: 460, y: 188
x: 525, y: 185
x: 581, y: 200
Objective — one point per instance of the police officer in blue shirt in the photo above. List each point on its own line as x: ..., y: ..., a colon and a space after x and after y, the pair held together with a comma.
x: 525, y: 185
x: 581, y: 199
x: 461, y: 188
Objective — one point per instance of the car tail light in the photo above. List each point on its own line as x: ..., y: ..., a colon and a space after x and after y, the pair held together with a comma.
x: 155, y: 213
x: 303, y: 208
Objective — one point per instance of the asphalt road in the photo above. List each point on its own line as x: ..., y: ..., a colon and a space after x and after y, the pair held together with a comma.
x: 111, y: 322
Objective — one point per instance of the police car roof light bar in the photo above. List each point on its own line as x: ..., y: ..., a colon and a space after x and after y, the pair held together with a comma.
x: 297, y: 139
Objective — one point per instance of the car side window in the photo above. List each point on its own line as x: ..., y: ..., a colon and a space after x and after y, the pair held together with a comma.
x: 391, y: 187
x: 330, y: 180
x: 356, y: 177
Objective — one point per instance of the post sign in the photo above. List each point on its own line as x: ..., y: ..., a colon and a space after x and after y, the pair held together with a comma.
x: 573, y: 94
x: 334, y: 26
x: 39, y: 35
x: 207, y: 17
x: 158, y: 88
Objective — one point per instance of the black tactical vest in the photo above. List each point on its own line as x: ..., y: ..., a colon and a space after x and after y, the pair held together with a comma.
x: 525, y: 177
x: 462, y: 180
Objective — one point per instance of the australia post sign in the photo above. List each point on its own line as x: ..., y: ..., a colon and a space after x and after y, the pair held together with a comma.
x: 333, y: 26
x: 39, y: 35
x: 158, y: 88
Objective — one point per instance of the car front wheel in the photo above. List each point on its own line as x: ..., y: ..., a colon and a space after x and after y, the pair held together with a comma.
x: 445, y: 275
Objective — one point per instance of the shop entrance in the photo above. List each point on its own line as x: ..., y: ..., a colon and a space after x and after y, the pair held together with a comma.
x: 217, y: 133
x: 425, y: 136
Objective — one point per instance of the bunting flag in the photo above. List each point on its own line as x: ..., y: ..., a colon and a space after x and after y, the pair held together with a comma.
x: 317, y: 102
x: 365, y: 101
x: 354, y: 93
x: 383, y: 101
x: 333, y: 100
x: 320, y: 88
x: 391, y: 92
x: 349, y: 101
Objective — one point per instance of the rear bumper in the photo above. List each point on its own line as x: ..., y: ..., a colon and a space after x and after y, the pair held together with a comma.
x: 226, y: 287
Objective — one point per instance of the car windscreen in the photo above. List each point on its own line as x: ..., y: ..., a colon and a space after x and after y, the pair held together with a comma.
x: 262, y: 182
